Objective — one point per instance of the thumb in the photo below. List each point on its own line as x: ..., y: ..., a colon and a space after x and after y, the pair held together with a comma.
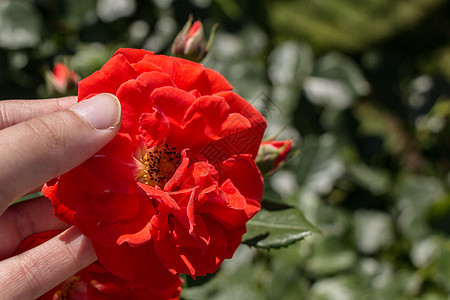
x: 35, y: 151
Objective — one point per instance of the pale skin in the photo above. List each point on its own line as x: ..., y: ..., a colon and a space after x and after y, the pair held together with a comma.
x: 40, y: 140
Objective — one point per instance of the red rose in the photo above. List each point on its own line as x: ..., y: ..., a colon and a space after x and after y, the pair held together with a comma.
x: 94, y: 282
x: 171, y: 193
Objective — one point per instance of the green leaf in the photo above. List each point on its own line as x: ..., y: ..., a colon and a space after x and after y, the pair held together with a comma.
x: 275, y: 229
x: 290, y: 63
x: 439, y: 214
x: 29, y: 197
x: 318, y: 165
x: 376, y: 180
x: 336, y: 82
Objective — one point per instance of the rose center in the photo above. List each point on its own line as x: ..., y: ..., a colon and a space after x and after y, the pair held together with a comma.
x: 69, y: 286
x: 158, y: 165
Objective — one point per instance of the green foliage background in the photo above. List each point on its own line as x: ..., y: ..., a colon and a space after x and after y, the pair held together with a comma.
x: 363, y: 87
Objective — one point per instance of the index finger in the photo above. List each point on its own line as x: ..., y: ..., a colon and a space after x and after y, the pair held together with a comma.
x: 34, y: 272
x: 16, y: 111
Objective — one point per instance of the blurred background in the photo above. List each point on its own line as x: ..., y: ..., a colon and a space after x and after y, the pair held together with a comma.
x: 363, y: 88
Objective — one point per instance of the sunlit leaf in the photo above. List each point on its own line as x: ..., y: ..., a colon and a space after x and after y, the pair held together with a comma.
x: 330, y: 255
x: 335, y: 82
x: 373, y: 230
x: 375, y: 180
x: 344, y: 286
x: 290, y: 63
x: 318, y: 165
x: 275, y: 229
x: 416, y: 195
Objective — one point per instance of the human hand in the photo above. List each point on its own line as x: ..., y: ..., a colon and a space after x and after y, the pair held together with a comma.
x: 40, y: 140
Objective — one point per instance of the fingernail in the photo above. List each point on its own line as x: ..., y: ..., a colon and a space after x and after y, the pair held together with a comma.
x: 101, y: 111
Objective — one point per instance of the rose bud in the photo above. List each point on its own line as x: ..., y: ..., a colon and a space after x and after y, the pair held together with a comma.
x: 271, y: 155
x: 61, y: 80
x: 190, y: 42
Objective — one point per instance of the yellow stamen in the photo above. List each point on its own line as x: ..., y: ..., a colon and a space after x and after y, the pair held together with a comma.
x: 158, y: 165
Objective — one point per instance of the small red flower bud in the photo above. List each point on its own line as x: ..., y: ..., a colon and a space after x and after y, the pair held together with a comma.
x: 271, y: 155
x: 62, y: 80
x: 190, y: 42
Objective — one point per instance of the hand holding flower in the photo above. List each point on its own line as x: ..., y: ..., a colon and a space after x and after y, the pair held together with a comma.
x: 42, y: 139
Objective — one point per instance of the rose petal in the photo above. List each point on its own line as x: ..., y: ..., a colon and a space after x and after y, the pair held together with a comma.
x: 133, y: 55
x: 108, y: 79
x: 159, y: 195
x: 153, y: 128
x: 63, y: 213
x: 186, y: 74
x: 145, y: 66
x: 201, y: 175
x: 245, y: 175
x: 212, y: 110
x: 113, y: 174
x: 239, y: 196
x: 114, y: 207
x: 121, y: 147
x: 133, y: 104
x: 172, y: 103
x: 134, y: 231
x: 217, y: 82
x: 254, y: 134
x: 234, y: 239
x: 137, y: 264
x: 188, y: 260
x: 179, y: 174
